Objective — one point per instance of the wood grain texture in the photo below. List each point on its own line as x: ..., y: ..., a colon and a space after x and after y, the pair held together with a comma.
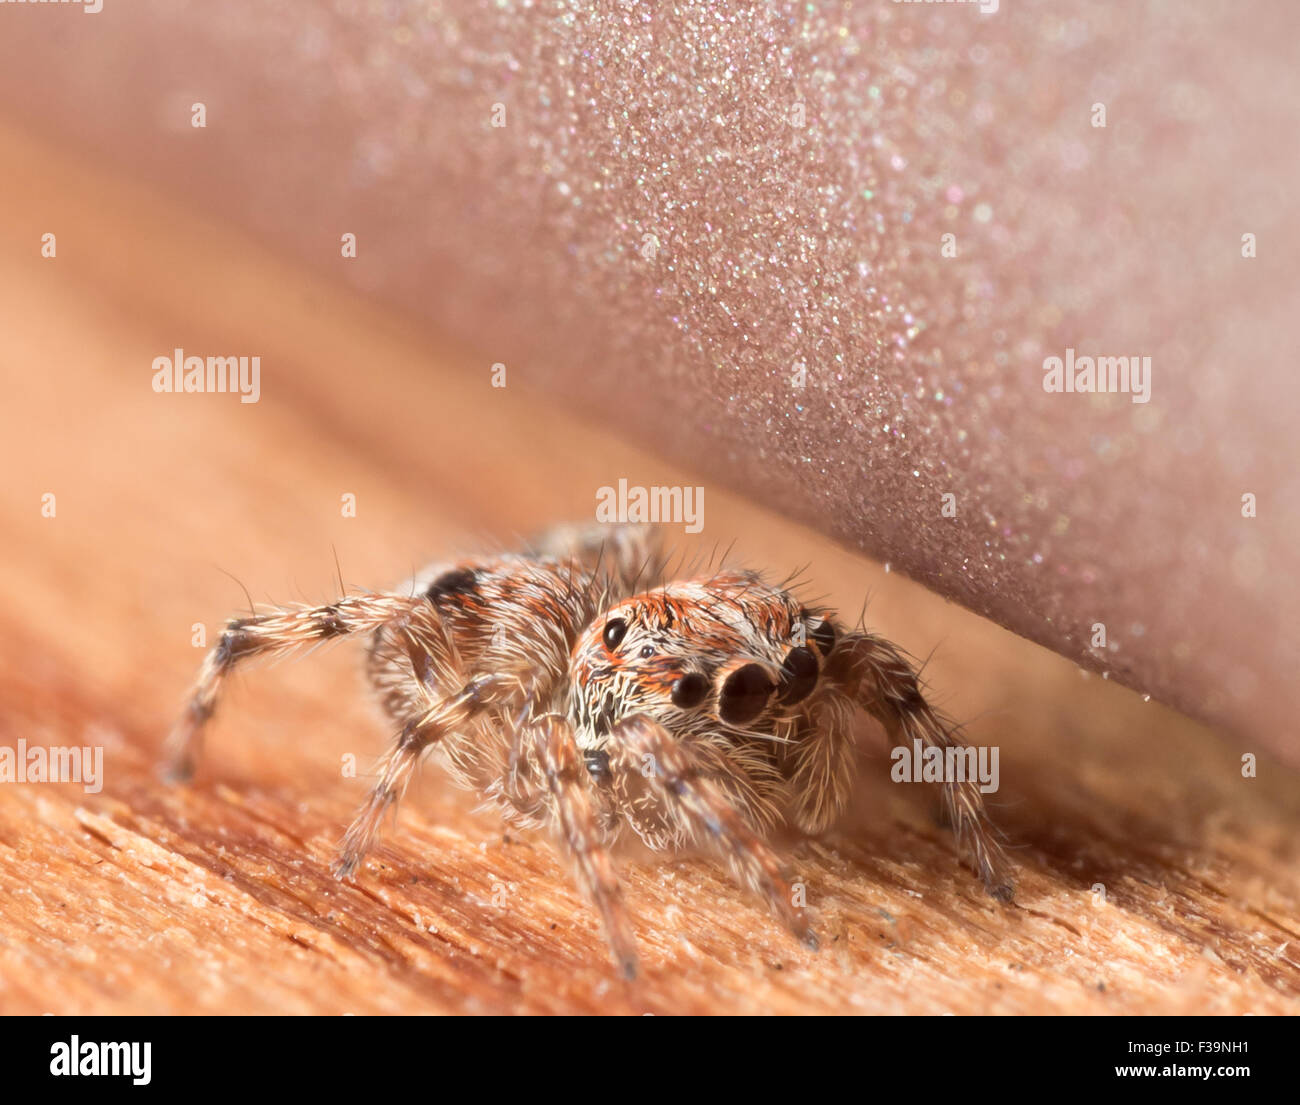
x: 217, y: 897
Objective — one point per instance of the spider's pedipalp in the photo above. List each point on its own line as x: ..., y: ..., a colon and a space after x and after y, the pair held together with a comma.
x: 875, y: 675
x: 276, y: 632
x: 697, y: 803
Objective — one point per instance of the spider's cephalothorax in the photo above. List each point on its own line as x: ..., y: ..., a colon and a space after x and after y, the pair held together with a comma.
x: 703, y: 712
x: 733, y: 666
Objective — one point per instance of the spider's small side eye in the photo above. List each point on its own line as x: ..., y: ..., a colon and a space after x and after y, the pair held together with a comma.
x: 615, y: 630
x: 647, y: 651
x: 823, y: 636
x: 690, y: 690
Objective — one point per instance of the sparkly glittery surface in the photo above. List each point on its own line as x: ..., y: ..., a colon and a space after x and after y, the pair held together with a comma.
x: 721, y: 230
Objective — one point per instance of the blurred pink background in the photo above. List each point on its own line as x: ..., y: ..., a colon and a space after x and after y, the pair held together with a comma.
x: 722, y: 233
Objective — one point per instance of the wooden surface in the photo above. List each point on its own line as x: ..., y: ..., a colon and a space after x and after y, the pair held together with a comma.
x: 217, y: 897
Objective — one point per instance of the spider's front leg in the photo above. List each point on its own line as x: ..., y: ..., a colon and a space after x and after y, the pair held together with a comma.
x: 277, y: 632
x: 693, y: 800
x: 416, y: 737
x: 875, y: 675
x: 550, y: 739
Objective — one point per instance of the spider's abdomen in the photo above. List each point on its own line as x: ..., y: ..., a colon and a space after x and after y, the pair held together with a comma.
x: 511, y: 618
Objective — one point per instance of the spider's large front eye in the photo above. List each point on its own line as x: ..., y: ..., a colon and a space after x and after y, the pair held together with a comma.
x: 690, y: 690
x: 744, y: 695
x: 615, y: 630
x: 798, y: 675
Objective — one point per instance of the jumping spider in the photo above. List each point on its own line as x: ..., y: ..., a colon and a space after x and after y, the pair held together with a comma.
x: 557, y: 685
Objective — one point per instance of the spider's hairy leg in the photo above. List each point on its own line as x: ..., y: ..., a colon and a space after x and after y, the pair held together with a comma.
x: 397, y: 766
x: 277, y: 632
x: 824, y: 767
x: 696, y: 802
x: 551, y: 738
x: 876, y: 676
